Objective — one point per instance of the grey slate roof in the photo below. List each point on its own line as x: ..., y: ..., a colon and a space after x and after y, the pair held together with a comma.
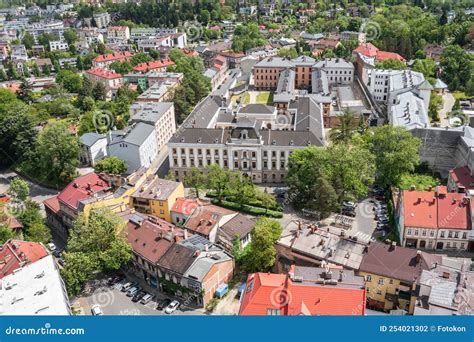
x: 137, y: 135
x: 257, y: 109
x: 151, y: 112
x: 90, y: 139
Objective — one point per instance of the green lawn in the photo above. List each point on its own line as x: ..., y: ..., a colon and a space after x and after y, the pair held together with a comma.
x: 265, y: 97
x: 459, y: 95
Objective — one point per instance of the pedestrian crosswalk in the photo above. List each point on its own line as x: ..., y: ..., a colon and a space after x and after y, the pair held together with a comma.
x: 362, y: 237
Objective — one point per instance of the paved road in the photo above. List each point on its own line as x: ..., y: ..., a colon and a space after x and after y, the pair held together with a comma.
x: 448, y: 103
x: 38, y: 193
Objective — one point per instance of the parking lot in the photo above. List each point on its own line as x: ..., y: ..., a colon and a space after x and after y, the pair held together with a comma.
x: 112, y: 301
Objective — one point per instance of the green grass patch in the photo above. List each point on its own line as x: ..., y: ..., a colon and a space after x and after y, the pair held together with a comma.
x: 265, y: 97
x: 420, y: 181
x: 460, y: 95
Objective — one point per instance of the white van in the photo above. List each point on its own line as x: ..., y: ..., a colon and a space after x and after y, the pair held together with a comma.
x: 146, y: 299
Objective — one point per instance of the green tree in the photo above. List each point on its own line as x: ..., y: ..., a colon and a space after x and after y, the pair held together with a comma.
x: 390, y: 64
x: 196, y: 180
x: 458, y: 67
x: 112, y: 165
x: 17, y: 130
x: 218, y: 180
x: 288, y: 53
x: 267, y: 200
x: 6, y: 233
x: 427, y: 67
x: 57, y: 153
x: 101, y: 235
x: 346, y: 127
x: 436, y: 103
x: 19, y: 189
x: 241, y: 189
x: 70, y: 80
x: 396, y: 153
x: 70, y: 36
x: 80, y: 267
x: 261, y: 253
x: 38, y: 232
x: 28, y: 40
x: 99, y: 92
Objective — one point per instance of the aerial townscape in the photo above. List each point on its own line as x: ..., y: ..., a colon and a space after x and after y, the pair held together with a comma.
x: 236, y: 157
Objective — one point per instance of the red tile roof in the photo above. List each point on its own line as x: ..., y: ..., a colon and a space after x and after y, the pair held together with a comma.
x: 163, y: 63
x: 82, y: 188
x: 462, y: 177
x: 103, y: 73
x: 153, y: 237
x: 370, y: 50
x: 441, y: 209
x: 16, y: 253
x: 266, y: 291
x: 186, y: 206
x: 111, y: 57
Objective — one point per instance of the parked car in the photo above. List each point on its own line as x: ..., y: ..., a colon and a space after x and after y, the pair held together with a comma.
x: 349, y: 204
x: 51, y: 246
x: 126, y: 286
x: 96, y: 310
x: 133, y: 291
x: 172, y: 307
x: 163, y: 304
x: 138, y: 296
x: 146, y: 298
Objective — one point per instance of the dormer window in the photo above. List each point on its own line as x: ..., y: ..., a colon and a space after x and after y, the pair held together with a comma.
x: 244, y: 134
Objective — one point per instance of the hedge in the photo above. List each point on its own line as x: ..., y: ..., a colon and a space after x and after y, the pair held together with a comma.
x: 248, y: 209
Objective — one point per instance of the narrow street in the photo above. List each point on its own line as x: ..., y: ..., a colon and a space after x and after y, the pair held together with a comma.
x: 448, y: 103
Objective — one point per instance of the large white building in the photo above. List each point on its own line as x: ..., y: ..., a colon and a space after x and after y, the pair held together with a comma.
x: 257, y: 139
x: 405, y: 93
x: 34, y: 289
x: 93, y: 148
x: 137, y: 145
x: 158, y: 114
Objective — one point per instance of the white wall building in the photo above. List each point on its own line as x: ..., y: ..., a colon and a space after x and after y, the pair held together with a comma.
x: 35, y: 289
x: 93, y: 148
x: 137, y: 146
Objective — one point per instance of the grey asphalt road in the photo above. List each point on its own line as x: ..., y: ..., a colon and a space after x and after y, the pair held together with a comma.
x: 38, y: 193
x: 115, y: 302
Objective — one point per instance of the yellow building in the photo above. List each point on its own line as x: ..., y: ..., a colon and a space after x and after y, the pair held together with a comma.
x: 391, y: 274
x: 156, y: 197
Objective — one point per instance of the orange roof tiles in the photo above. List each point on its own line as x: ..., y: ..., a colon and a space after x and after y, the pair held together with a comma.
x: 146, y: 66
x: 265, y: 291
x: 370, y: 50
x: 103, y: 73
x: 111, y: 57
x: 441, y: 209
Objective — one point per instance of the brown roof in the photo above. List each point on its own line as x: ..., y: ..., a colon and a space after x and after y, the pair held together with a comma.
x: 178, y: 258
x: 240, y: 225
x: 157, y: 188
x: 205, y: 217
x: 53, y: 204
x: 153, y: 237
x: 397, y: 262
